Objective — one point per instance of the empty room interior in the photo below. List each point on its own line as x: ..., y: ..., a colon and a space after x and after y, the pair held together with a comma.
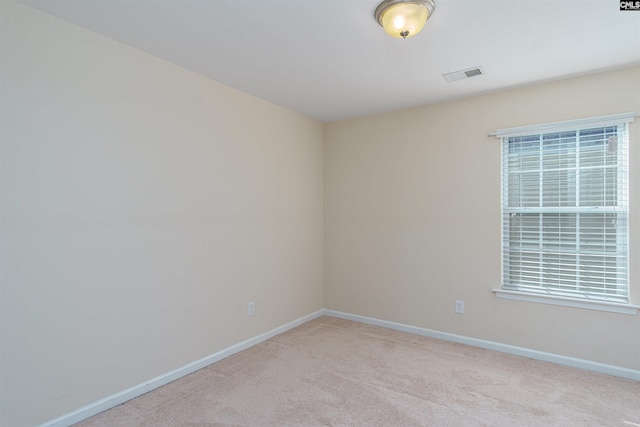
x: 279, y: 194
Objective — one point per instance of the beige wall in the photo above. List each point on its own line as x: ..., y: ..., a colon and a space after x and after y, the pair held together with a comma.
x: 412, y: 219
x: 143, y: 207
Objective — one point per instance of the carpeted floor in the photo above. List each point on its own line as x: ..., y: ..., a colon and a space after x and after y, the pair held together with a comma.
x: 333, y: 372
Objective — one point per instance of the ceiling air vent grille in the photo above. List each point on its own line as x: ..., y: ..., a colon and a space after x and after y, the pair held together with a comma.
x: 463, y: 74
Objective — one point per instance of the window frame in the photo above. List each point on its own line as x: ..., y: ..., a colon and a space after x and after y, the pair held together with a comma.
x: 546, y: 295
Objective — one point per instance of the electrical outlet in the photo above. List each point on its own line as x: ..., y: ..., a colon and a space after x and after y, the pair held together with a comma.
x: 459, y: 306
x: 251, y: 308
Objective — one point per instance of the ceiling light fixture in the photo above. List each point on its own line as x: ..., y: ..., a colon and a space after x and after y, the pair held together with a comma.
x: 404, y: 18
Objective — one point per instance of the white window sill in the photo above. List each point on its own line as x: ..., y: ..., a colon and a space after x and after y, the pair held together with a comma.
x: 613, y: 307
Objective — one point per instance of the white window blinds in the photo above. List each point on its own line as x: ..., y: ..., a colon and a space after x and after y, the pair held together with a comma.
x: 565, y: 208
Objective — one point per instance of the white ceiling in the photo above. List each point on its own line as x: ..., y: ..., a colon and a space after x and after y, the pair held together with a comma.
x: 329, y: 59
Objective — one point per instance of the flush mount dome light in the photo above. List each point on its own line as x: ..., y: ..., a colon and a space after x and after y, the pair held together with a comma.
x: 404, y: 18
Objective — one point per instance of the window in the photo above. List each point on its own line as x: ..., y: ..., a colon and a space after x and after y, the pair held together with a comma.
x: 565, y: 199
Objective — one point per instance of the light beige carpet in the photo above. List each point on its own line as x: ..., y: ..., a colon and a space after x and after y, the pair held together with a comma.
x: 333, y: 372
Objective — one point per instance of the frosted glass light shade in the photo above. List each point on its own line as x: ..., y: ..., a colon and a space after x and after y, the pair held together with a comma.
x: 402, y: 19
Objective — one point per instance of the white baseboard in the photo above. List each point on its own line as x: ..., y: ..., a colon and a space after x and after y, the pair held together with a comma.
x: 140, y: 389
x: 573, y: 362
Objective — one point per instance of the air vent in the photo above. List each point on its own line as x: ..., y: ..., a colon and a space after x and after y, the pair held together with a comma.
x: 463, y: 74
